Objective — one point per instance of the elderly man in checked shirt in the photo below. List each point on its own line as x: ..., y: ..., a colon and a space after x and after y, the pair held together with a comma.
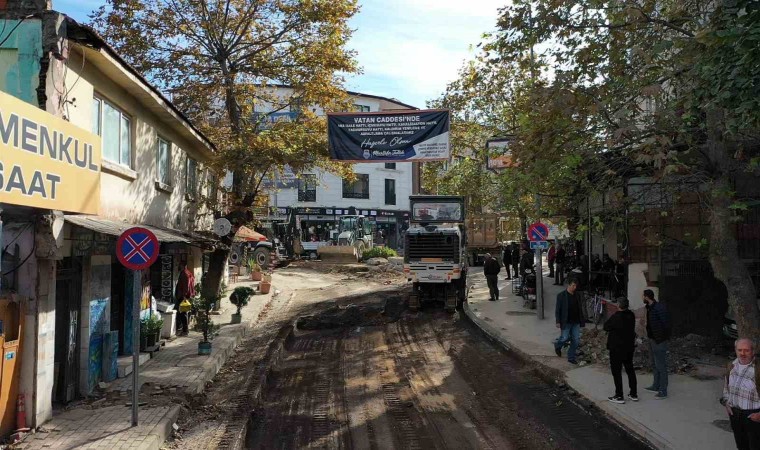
x: 740, y: 396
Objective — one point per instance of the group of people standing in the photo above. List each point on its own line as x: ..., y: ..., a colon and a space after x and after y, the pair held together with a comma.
x: 621, y: 339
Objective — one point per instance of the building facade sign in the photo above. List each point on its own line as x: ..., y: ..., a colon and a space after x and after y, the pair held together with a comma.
x: 384, y: 137
x: 46, y: 162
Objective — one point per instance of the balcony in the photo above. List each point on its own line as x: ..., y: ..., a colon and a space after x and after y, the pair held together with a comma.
x: 309, y: 195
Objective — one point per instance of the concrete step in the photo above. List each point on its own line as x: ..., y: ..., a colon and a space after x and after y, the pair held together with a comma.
x: 124, y: 364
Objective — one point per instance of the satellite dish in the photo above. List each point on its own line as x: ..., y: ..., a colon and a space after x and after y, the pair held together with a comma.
x: 57, y: 228
x: 222, y: 227
x: 234, y: 257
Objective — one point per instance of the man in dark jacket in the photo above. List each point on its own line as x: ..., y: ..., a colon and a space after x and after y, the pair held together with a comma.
x: 507, y: 260
x: 570, y: 318
x: 491, y: 269
x: 621, y: 341
x: 658, y: 332
x: 515, y: 259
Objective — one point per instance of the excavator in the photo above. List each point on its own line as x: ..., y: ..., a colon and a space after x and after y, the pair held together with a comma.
x: 354, y: 238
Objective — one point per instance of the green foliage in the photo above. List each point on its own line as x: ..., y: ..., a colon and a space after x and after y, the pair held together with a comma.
x: 202, y: 306
x: 151, y: 325
x: 379, y: 252
x: 240, y: 296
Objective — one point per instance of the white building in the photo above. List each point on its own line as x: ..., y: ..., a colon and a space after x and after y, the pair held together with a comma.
x: 380, y: 192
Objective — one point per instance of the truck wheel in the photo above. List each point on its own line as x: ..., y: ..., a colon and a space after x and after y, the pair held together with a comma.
x: 359, y: 252
x: 261, y: 256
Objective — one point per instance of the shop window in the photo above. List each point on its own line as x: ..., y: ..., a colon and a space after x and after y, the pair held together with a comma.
x: 307, y: 188
x: 163, y: 161
x: 191, y: 177
x: 115, y: 129
x: 390, y: 191
x: 358, y: 188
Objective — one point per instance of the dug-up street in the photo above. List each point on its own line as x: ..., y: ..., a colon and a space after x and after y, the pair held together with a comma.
x: 342, y: 364
x: 333, y: 359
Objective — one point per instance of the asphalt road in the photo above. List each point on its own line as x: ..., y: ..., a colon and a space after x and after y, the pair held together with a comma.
x: 361, y: 377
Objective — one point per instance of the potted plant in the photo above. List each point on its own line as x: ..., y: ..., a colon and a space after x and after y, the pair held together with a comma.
x: 266, y: 284
x: 255, y: 270
x: 150, y: 331
x: 204, y: 322
x: 239, y: 298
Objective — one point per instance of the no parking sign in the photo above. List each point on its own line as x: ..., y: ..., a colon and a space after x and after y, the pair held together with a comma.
x: 137, y: 248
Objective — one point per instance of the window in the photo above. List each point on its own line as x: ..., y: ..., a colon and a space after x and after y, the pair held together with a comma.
x: 361, y: 108
x: 115, y: 128
x: 191, y: 176
x: 390, y: 191
x: 163, y: 162
x: 358, y: 188
x: 307, y: 188
x: 391, y: 166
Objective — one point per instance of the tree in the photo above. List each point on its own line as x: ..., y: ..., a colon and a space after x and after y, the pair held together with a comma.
x: 667, y: 85
x: 498, y: 97
x: 221, y: 58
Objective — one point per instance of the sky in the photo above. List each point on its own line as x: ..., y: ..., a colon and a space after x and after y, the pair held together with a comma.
x: 408, y: 49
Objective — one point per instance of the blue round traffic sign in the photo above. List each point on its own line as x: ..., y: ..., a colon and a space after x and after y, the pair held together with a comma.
x: 137, y: 248
x: 538, y: 232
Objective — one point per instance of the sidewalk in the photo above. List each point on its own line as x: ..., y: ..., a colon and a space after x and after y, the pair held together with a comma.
x: 176, y: 368
x: 690, y: 418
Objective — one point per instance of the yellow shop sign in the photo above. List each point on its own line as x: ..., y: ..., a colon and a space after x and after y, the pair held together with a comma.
x: 46, y: 162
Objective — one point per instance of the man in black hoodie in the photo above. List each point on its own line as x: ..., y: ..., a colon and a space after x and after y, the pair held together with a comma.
x: 491, y: 269
x: 621, y: 341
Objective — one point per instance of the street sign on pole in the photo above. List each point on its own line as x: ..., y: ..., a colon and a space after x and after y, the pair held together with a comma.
x: 136, y: 249
x: 538, y: 232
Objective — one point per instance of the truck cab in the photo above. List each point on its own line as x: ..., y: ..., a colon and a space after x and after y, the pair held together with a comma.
x: 435, y: 259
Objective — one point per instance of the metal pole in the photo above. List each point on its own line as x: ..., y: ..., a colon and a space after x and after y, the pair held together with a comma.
x: 540, y: 284
x: 135, y: 346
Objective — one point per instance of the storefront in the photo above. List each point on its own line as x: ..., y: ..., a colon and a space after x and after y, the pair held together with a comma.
x: 319, y: 226
x: 108, y: 293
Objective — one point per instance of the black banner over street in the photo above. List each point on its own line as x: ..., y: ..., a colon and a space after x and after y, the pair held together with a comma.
x: 386, y: 137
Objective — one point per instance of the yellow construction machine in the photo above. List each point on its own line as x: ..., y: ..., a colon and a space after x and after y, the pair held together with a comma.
x: 354, y: 238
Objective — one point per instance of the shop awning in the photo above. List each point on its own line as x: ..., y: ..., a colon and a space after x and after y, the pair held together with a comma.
x: 115, y: 228
x: 246, y: 234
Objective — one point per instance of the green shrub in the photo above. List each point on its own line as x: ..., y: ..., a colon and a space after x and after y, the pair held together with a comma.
x: 379, y: 252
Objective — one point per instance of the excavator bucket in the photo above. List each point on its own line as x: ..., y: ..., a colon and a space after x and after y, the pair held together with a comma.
x: 344, y: 254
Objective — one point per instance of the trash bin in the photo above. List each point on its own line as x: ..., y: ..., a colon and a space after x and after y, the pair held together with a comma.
x: 169, y: 328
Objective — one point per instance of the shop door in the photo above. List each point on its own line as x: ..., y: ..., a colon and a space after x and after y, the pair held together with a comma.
x: 118, y: 309
x: 68, y: 298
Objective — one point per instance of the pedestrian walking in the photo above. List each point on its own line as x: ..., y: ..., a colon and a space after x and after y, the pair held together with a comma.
x: 507, y: 260
x: 658, y: 332
x: 559, y: 265
x: 621, y: 342
x: 569, y: 317
x: 491, y: 269
x: 184, y: 291
x: 740, y: 396
x: 550, y: 258
x: 515, y: 259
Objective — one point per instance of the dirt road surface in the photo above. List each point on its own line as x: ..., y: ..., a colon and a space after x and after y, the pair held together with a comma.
x: 358, y: 371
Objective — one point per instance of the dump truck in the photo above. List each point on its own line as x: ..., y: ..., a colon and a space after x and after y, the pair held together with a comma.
x: 354, y: 238
x: 435, y: 251
x: 483, y: 237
